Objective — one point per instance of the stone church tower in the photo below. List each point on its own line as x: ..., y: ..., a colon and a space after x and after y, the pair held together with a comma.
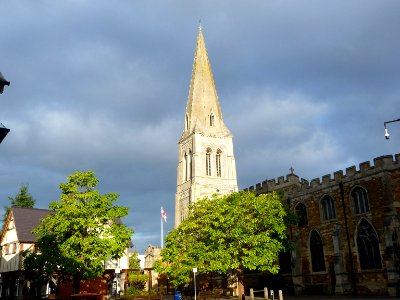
x: 206, y: 164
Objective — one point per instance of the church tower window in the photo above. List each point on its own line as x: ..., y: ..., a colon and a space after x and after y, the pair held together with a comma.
x: 212, y: 119
x: 190, y: 164
x: 368, y: 246
x: 317, y: 252
x: 184, y: 167
x: 360, y: 200
x: 208, y: 162
x: 328, y: 208
x: 218, y: 162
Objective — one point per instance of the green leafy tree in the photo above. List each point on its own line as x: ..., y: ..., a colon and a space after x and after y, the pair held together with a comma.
x: 83, y: 232
x: 22, y: 199
x: 40, y: 267
x: 136, y: 279
x: 235, y: 232
x: 134, y: 261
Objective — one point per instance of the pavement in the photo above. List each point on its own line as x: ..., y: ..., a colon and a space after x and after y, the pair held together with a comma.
x: 328, y: 298
x: 171, y: 297
x: 335, y: 298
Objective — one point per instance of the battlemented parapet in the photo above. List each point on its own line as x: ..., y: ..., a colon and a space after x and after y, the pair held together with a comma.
x: 380, y: 164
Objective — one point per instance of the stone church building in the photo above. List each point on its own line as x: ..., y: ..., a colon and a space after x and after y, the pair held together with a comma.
x: 348, y: 237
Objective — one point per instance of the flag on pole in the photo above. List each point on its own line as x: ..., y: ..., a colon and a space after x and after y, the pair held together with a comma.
x: 163, y: 215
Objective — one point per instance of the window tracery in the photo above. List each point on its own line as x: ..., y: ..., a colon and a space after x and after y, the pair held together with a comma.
x: 368, y: 246
x: 360, y: 200
x: 328, y: 208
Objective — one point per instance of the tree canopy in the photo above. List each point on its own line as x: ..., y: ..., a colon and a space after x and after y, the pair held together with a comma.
x: 234, y: 232
x: 22, y: 199
x: 84, y: 231
x: 134, y: 261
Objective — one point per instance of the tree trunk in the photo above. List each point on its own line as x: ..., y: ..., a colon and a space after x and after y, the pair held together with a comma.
x: 58, y: 283
x: 76, y: 283
x: 240, y: 276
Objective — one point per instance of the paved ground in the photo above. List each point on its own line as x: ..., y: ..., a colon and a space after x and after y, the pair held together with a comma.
x: 171, y: 297
x: 328, y: 298
x: 335, y: 298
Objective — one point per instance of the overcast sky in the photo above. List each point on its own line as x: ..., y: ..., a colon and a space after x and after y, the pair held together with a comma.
x: 103, y: 85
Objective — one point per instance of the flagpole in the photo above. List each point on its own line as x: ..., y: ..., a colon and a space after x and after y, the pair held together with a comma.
x: 163, y: 219
x: 162, y: 229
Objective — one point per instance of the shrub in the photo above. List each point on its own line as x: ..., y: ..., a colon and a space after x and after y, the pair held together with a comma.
x: 137, y: 281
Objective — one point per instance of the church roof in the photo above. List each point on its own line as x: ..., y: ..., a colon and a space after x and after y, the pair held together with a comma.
x: 203, y: 101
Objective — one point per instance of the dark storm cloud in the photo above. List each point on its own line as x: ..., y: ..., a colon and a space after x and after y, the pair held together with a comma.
x: 103, y: 86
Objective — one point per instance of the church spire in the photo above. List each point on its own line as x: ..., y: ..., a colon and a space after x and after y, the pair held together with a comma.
x: 203, y: 112
x: 206, y: 163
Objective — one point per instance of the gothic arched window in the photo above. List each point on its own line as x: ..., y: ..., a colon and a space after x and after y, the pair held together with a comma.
x: 301, y: 212
x: 317, y: 252
x: 208, y: 162
x: 360, y: 200
x: 211, y: 119
x: 190, y: 164
x: 218, y: 162
x: 368, y: 246
x: 184, y: 167
x: 328, y: 208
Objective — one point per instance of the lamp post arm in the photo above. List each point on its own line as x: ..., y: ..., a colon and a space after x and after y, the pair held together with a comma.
x: 387, y: 122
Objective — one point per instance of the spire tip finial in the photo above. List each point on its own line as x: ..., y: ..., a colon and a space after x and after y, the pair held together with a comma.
x: 199, y: 24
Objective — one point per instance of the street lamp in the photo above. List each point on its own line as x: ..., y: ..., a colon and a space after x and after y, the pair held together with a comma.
x: 3, y: 82
x: 194, y: 281
x: 117, y: 271
x: 3, y: 130
x: 386, y: 131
